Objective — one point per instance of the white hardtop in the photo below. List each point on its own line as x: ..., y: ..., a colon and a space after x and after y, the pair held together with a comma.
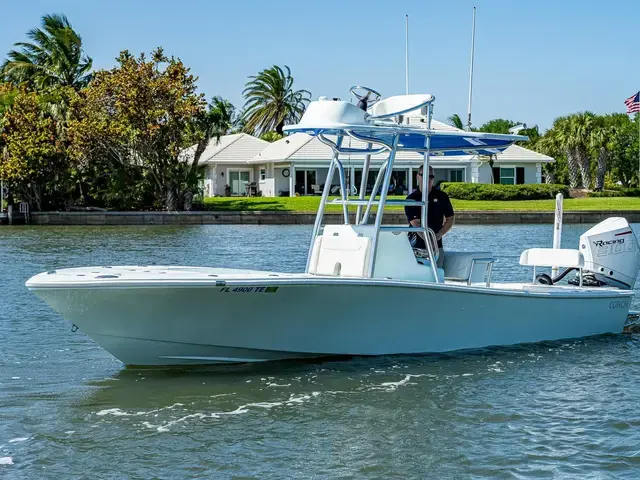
x: 386, y: 118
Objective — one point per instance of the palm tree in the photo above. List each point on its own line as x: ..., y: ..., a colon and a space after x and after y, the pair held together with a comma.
x: 581, y: 126
x: 561, y: 137
x: 53, y: 58
x: 548, y: 145
x: 271, y: 101
x: 222, y: 116
x: 602, y: 136
x: 455, y: 121
x: 213, y: 124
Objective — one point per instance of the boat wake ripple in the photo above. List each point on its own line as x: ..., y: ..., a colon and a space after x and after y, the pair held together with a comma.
x: 294, y: 399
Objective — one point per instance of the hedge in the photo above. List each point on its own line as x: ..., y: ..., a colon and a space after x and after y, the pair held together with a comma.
x: 481, y: 191
x: 619, y: 192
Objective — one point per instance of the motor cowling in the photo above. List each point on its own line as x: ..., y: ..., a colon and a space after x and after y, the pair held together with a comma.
x: 611, y: 253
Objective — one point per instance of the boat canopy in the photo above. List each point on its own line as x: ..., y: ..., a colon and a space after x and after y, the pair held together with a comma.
x: 443, y: 143
x: 384, y: 126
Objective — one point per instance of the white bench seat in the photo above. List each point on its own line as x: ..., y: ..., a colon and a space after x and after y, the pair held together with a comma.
x: 552, y: 257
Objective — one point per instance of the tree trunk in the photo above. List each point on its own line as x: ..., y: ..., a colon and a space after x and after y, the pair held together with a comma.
x: 574, y: 169
x: 34, y: 197
x: 549, y: 176
x: 585, y: 168
x: 188, y: 200
x: 200, y: 148
x: 171, y: 199
x: 491, y: 162
x: 602, y: 168
x: 280, y: 128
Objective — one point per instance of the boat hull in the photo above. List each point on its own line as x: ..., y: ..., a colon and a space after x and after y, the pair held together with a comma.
x: 264, y: 320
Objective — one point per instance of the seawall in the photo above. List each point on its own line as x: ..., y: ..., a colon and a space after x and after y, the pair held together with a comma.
x: 296, y: 218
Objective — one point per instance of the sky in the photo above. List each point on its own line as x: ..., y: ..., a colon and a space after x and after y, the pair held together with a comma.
x: 534, y: 61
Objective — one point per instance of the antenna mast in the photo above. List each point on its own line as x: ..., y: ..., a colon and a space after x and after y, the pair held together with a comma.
x: 473, y: 43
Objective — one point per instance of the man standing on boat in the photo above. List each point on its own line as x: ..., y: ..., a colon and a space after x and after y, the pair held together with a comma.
x: 440, y: 215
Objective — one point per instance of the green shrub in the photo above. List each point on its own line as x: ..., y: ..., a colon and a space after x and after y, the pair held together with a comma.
x: 619, y: 192
x: 482, y: 191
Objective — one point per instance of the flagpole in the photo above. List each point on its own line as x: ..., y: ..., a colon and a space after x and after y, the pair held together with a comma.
x: 632, y: 103
x: 473, y: 44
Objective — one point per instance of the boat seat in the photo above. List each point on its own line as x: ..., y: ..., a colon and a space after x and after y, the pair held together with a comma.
x: 340, y: 255
x: 552, y: 257
x: 466, y: 266
x: 345, y: 250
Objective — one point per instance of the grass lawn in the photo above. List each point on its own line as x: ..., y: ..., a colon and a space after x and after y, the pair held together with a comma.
x: 310, y: 204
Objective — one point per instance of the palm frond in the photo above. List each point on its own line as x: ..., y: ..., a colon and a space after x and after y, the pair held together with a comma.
x: 54, y: 57
x: 271, y: 102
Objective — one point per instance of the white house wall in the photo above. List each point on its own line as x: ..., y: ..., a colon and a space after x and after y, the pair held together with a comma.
x: 531, y: 172
x: 210, y: 179
x: 281, y: 182
x: 484, y: 173
x: 218, y: 174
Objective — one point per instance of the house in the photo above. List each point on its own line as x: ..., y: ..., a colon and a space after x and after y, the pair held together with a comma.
x: 226, y: 163
x: 299, y: 163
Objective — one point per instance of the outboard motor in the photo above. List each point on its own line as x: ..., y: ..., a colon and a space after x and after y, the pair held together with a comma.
x: 611, y: 254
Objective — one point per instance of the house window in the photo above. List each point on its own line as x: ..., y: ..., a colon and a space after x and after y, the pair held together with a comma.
x: 507, y: 175
x: 263, y: 173
x: 456, y: 175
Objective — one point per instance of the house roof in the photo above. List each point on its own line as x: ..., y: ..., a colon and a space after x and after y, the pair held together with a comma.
x: 303, y: 147
x: 516, y: 153
x: 234, y: 148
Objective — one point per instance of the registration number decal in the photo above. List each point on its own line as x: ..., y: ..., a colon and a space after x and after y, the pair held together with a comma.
x: 249, y: 289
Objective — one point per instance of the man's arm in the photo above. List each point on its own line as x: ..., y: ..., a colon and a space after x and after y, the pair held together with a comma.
x: 448, y: 223
x: 449, y: 218
x: 416, y: 223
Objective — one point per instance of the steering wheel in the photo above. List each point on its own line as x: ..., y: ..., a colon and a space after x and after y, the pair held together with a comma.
x: 366, y: 94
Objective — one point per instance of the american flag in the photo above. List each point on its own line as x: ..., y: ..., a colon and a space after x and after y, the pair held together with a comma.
x: 633, y: 103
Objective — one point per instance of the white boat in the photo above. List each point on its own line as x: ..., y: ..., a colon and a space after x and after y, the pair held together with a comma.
x: 379, y: 297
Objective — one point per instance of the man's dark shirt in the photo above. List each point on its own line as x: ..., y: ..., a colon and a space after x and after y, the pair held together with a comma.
x: 439, y: 207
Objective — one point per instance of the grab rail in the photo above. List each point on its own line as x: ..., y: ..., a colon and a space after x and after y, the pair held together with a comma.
x: 434, y: 243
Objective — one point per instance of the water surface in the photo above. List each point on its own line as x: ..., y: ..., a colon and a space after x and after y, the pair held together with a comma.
x: 69, y: 410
